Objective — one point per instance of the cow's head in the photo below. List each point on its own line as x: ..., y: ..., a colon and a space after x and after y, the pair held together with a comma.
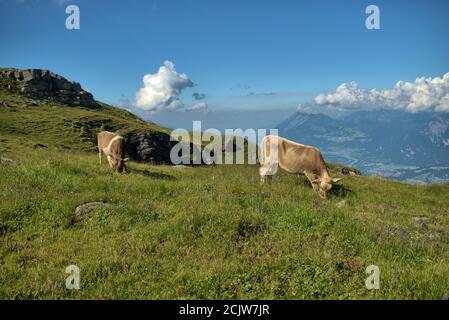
x: 325, y: 185
x: 119, y: 164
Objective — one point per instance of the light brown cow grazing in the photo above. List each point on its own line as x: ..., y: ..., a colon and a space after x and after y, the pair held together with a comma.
x: 113, y: 147
x: 295, y: 158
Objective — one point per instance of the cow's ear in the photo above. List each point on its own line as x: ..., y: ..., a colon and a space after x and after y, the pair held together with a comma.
x: 126, y: 159
x: 336, y: 180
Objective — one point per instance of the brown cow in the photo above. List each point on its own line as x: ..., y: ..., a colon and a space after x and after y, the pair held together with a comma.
x: 295, y: 158
x: 113, y: 147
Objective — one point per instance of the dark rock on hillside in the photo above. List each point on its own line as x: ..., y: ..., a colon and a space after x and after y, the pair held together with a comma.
x: 350, y: 171
x: 154, y: 147
x: 151, y: 147
x: 43, y: 84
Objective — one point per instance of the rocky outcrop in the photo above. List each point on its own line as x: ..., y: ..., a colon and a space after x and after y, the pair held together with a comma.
x: 43, y: 84
x: 151, y: 147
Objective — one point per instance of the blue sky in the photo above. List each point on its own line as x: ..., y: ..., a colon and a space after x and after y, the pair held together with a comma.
x: 293, y: 50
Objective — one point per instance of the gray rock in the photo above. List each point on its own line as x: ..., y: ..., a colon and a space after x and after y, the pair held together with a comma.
x: 154, y: 147
x: 341, y: 204
x: 43, y: 84
x: 4, y: 160
x: 350, y: 171
x: 83, y: 210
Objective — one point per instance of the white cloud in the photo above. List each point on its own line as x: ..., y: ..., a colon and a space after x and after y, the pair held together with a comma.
x: 423, y: 94
x: 161, y: 90
x: 198, y: 106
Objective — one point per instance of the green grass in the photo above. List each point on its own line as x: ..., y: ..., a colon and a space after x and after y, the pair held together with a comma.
x: 213, y: 232
x: 29, y: 122
x: 200, y: 232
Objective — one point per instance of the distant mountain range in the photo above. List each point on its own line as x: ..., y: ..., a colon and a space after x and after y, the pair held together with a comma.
x: 407, y: 146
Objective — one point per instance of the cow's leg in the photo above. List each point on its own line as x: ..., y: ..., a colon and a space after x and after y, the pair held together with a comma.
x: 110, y: 162
x: 266, y: 172
x: 265, y: 178
x: 262, y: 173
x: 312, y: 177
x: 99, y: 154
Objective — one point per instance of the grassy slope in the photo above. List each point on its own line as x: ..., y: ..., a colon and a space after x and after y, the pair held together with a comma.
x: 205, y: 232
x: 28, y: 122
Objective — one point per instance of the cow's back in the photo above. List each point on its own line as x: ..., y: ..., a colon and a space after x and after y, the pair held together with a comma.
x: 297, y: 158
x: 104, y: 138
x: 303, y: 159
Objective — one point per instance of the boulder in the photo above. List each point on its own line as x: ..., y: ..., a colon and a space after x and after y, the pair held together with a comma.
x: 350, y: 171
x: 4, y: 160
x: 153, y: 147
x: 341, y: 204
x: 83, y: 210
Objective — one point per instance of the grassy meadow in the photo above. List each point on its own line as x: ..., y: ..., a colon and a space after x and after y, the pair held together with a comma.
x: 213, y: 233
